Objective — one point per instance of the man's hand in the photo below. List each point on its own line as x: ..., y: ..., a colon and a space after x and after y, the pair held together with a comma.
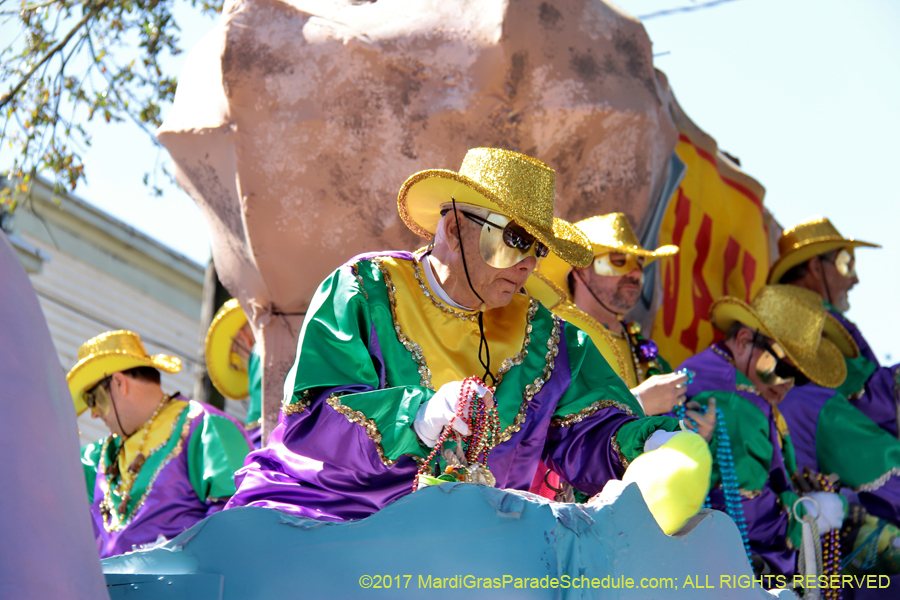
x: 660, y: 393
x: 441, y: 410
x: 704, y: 424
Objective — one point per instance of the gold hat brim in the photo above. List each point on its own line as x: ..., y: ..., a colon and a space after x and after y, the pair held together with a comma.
x: 422, y: 195
x: 231, y: 382
x: 809, y: 250
x: 92, y: 369
x: 548, y: 283
x: 834, y: 332
x: 650, y: 255
x: 825, y: 367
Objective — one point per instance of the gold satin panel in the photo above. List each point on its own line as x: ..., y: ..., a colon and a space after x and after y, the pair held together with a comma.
x: 450, y: 342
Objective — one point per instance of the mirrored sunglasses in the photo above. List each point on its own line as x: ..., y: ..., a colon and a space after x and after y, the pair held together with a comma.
x: 772, y: 369
x: 606, y: 265
x: 97, y: 398
x: 845, y: 263
x: 504, y: 243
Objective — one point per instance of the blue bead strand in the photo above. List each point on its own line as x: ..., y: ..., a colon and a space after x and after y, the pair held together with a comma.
x: 734, y: 506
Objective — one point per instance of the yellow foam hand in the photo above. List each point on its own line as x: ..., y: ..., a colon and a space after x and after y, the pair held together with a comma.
x: 674, y: 479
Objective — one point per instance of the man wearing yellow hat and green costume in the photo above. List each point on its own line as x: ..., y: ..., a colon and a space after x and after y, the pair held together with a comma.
x: 414, y: 368
x: 779, y: 340
x: 597, y: 298
x: 815, y: 256
x: 168, y: 461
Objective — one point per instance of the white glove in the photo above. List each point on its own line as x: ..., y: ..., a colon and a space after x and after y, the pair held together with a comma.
x: 832, y: 513
x: 658, y: 438
x: 440, y: 411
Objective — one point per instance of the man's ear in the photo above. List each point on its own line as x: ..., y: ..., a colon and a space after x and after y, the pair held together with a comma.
x: 121, y: 383
x: 815, y: 268
x: 451, y: 231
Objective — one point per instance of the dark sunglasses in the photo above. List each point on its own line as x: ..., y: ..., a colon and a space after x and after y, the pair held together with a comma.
x: 514, y: 236
x: 783, y: 370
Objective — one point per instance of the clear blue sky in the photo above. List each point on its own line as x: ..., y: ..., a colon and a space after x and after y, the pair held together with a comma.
x: 804, y: 92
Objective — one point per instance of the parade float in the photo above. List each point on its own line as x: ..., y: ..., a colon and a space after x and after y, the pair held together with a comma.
x: 293, y: 126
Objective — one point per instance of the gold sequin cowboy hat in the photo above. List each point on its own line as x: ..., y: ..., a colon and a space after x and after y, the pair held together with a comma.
x: 606, y: 233
x: 109, y: 353
x: 227, y: 370
x: 515, y: 185
x: 796, y: 319
x: 807, y: 240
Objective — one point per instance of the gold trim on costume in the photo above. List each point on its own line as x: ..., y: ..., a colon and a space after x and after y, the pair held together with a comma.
x: 289, y: 408
x: 615, y: 446
x: 106, y: 505
x: 584, y: 413
x: 606, y: 334
x: 354, y: 416
x: 510, y: 362
x: 417, y: 271
x: 354, y: 268
x: 533, y: 388
x: 749, y: 494
x: 413, y: 348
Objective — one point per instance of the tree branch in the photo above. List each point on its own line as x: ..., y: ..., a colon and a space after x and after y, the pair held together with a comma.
x: 51, y: 52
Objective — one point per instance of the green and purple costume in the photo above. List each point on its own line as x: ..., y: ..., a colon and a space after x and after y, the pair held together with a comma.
x: 187, y: 475
x: 375, y: 345
x: 763, y: 457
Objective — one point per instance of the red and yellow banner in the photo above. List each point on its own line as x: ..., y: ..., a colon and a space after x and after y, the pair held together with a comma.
x: 716, y: 217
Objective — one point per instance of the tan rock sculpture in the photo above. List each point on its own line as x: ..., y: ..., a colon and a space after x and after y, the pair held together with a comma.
x: 296, y: 122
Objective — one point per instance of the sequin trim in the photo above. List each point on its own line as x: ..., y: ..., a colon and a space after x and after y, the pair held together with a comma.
x: 354, y: 416
x: 614, y: 442
x: 413, y: 348
x: 871, y: 487
x: 516, y: 359
x: 743, y: 387
x: 720, y: 352
x: 417, y: 271
x: 533, y: 388
x: 354, y: 268
x: 749, y: 494
x: 107, y: 494
x: 288, y: 407
x: 584, y: 413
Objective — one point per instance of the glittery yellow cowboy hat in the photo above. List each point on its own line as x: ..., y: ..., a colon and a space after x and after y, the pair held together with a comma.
x: 109, y: 353
x: 518, y: 186
x: 797, y: 322
x: 606, y: 233
x: 227, y: 371
x: 807, y: 240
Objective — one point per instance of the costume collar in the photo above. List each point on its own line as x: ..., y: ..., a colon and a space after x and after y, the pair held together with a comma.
x: 436, y: 286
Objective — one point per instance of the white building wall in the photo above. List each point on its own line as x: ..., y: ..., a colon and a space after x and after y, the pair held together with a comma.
x: 80, y: 301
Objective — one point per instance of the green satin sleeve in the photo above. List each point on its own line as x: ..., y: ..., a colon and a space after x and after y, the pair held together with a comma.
x: 335, y: 344
x: 593, y: 380
x: 254, y: 399
x: 748, y: 431
x: 632, y: 436
x: 852, y: 445
x: 859, y: 370
x: 215, y: 451
x: 90, y: 459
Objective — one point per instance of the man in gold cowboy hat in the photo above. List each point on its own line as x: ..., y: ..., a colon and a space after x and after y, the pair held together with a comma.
x: 233, y: 364
x: 780, y: 340
x: 400, y: 351
x: 815, y: 256
x: 596, y: 299
x: 168, y: 461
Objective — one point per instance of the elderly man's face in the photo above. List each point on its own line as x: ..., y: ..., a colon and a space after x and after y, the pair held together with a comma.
x: 620, y: 292
x: 495, y: 286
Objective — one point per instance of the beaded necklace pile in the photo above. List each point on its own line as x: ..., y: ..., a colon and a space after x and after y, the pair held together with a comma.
x: 469, y: 462
x: 126, y: 481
